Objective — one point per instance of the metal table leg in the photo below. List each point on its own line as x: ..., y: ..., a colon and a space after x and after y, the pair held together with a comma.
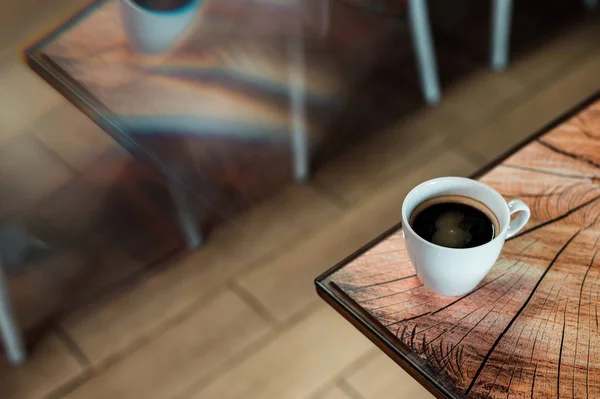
x: 297, y: 71
x: 187, y: 219
x: 501, y: 22
x: 11, y: 334
x: 424, y: 49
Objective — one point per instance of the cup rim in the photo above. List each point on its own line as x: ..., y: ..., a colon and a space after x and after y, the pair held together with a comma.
x: 405, y: 218
x: 192, y: 4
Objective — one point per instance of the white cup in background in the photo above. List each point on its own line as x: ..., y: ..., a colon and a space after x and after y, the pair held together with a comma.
x: 456, y: 271
x: 156, y: 31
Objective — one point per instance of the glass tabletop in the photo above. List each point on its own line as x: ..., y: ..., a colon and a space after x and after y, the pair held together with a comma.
x: 238, y: 104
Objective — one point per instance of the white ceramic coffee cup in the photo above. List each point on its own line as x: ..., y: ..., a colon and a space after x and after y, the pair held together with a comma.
x: 154, y: 31
x: 456, y: 271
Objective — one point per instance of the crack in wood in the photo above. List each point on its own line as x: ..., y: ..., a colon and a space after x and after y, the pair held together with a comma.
x: 568, y: 154
x: 533, y: 382
x: 578, y: 319
x: 547, y: 172
x: 546, y: 320
x: 486, y: 303
x: 509, y: 325
x: 562, y: 342
x: 554, y: 220
x: 585, y: 130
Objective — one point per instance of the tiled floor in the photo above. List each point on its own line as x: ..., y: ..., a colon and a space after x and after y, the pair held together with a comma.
x: 239, y: 318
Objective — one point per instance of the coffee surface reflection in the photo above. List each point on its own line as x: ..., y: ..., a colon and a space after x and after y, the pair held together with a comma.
x: 454, y: 222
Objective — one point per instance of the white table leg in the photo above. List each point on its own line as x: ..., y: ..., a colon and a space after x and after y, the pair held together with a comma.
x: 501, y: 21
x: 9, y: 328
x: 187, y: 219
x: 297, y: 71
x: 425, y: 52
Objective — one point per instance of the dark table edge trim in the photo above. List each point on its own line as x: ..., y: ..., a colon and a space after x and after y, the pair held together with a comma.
x: 53, y: 33
x: 351, y: 311
x: 374, y: 330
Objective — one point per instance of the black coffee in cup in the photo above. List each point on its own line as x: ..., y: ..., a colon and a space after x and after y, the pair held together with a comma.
x: 454, y: 221
x: 163, y: 5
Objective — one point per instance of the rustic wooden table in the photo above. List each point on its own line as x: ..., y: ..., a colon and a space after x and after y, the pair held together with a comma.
x: 530, y: 329
x: 223, y: 115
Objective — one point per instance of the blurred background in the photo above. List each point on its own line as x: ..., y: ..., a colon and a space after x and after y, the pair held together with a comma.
x: 163, y: 216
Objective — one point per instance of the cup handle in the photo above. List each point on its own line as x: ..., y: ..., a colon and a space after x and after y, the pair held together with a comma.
x: 522, y: 218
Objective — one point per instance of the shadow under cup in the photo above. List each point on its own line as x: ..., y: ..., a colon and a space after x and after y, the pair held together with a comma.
x: 453, y: 271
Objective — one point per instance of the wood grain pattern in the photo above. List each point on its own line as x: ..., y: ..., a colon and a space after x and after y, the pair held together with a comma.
x: 531, y: 328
